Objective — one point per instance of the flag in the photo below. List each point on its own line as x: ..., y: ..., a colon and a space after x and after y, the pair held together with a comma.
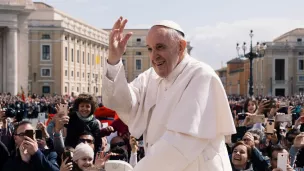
x: 97, y: 59
x: 22, y: 94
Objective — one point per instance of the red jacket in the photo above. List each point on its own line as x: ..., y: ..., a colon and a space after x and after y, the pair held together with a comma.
x: 105, y: 115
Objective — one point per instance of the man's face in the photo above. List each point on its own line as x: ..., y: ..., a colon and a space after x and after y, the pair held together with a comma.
x: 19, y: 136
x: 274, y: 158
x: 118, y: 141
x: 164, y: 52
x: 87, y: 139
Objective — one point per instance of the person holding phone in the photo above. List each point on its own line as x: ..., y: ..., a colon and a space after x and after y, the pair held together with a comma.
x: 274, y: 154
x: 27, y: 156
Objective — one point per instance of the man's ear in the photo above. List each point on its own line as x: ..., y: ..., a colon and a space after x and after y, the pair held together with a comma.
x: 182, y: 46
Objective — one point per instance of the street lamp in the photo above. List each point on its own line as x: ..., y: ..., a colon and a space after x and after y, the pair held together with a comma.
x: 259, y: 52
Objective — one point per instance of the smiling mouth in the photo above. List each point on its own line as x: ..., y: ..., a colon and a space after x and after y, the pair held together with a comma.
x: 160, y: 63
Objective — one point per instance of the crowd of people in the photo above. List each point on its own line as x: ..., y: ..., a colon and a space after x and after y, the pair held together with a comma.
x: 267, y: 127
x: 90, y: 134
x: 80, y: 136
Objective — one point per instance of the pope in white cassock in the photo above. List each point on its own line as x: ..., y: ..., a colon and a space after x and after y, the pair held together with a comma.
x: 179, y: 105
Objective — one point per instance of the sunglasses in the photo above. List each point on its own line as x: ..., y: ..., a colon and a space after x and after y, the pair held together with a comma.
x: 119, y: 144
x: 89, y: 141
x: 22, y: 134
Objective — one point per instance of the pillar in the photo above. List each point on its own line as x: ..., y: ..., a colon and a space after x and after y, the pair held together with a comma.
x: 12, y: 70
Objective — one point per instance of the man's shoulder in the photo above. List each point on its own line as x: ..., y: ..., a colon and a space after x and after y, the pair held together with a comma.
x: 201, y: 68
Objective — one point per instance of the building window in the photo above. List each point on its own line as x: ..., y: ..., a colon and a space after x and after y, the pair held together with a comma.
x: 88, y: 59
x: 301, y: 78
x: 72, y: 73
x: 77, y: 89
x: 299, y: 40
x: 72, y: 55
x: 300, y: 53
x: 66, y: 53
x: 279, y: 69
x: 138, y: 64
x: 77, y: 74
x: 96, y: 90
x: 45, y: 36
x: 46, y: 52
x: 65, y: 89
x: 78, y: 56
x: 83, y: 57
x: 138, y: 53
x: 301, y: 65
x: 83, y: 75
x: 301, y: 90
x: 66, y: 73
x: 88, y: 75
x: 46, y: 89
x: 88, y: 89
x: 45, y: 72
x: 138, y: 40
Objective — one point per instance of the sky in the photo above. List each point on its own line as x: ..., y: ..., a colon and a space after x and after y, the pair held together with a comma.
x: 212, y: 26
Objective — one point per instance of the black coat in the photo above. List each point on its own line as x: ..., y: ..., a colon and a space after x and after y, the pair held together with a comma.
x: 76, y: 127
x: 4, y: 154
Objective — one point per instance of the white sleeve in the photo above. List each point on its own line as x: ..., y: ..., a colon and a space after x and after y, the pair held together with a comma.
x: 173, y: 152
x: 112, y: 70
x: 133, y: 159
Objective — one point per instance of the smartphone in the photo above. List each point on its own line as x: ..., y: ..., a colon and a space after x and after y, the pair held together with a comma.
x: 69, y: 155
x: 141, y: 143
x: 270, y: 126
x: 257, y: 119
x: 282, y: 161
x: 283, y: 118
x: 64, y: 108
x: 41, y: 117
x: 29, y: 133
x: 241, y: 116
x: 38, y: 134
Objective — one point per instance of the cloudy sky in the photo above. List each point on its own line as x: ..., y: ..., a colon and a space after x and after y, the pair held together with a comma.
x: 213, y: 26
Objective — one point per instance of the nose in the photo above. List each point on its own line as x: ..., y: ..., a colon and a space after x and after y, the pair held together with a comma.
x: 153, y: 55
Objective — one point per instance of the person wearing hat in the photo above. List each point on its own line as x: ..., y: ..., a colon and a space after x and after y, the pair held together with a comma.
x: 179, y: 104
x: 82, y: 158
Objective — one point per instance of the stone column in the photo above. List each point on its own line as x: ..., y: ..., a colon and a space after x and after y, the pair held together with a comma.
x: 1, y: 62
x: 12, y: 53
x: 23, y: 54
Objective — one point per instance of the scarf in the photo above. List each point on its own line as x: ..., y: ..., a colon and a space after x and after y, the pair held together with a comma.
x: 87, y: 119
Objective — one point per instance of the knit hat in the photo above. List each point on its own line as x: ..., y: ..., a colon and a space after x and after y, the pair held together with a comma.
x: 83, y: 150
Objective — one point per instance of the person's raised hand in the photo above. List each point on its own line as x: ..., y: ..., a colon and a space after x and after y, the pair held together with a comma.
x: 118, y: 41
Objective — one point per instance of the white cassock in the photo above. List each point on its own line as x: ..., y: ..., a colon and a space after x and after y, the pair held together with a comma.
x: 183, y: 117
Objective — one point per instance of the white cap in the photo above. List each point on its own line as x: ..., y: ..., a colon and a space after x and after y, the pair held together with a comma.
x: 117, y: 165
x: 170, y: 24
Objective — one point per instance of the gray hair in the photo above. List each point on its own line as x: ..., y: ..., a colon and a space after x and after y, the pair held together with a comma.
x: 258, y: 132
x: 176, y: 36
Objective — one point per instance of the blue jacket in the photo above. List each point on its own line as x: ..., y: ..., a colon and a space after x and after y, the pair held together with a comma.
x: 40, y: 161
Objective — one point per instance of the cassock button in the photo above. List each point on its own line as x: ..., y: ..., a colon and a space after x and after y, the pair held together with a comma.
x: 166, y: 89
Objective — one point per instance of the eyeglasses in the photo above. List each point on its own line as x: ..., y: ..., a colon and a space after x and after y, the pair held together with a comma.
x: 22, y: 134
x: 89, y: 141
x: 119, y: 144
